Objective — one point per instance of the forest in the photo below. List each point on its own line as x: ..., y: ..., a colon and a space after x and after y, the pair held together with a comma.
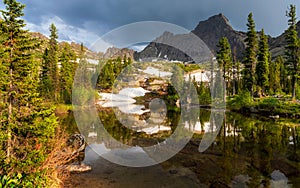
x: 36, y: 80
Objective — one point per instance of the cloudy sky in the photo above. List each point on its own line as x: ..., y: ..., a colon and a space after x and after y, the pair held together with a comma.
x: 86, y: 20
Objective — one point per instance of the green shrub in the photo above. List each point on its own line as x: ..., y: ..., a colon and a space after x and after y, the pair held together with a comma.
x: 242, y: 100
x: 269, y: 102
x: 298, y: 92
x: 10, y: 181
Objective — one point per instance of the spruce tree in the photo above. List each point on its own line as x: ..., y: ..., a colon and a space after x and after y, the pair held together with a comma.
x: 83, y: 89
x: 67, y: 73
x: 224, y: 58
x: 283, y: 74
x: 274, y: 77
x: 50, y: 73
x: 262, y: 67
x: 250, y: 56
x: 26, y: 123
x: 292, y: 49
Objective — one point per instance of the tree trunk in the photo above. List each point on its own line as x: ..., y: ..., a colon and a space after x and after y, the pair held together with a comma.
x: 10, y: 98
x: 294, y: 87
x: 9, y: 140
x: 212, y: 85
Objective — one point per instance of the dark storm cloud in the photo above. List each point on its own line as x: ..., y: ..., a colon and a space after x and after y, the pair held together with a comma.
x: 100, y: 16
x: 109, y: 14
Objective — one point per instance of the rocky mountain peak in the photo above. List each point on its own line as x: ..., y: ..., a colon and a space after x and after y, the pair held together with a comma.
x: 216, y: 27
x: 209, y: 31
x: 166, y: 35
x: 216, y: 21
x: 114, y: 52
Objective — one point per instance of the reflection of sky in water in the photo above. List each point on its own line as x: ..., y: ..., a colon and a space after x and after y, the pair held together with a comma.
x: 152, y: 125
x: 128, y: 113
x: 130, y: 154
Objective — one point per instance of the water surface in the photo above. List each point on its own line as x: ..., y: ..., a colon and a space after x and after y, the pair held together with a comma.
x: 246, y: 151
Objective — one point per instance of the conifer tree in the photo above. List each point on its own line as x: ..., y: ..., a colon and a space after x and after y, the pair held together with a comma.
x: 292, y: 49
x: 224, y: 58
x: 283, y: 74
x: 263, y: 60
x: 25, y: 123
x: 67, y: 73
x: 83, y: 82
x: 50, y: 73
x: 274, y: 77
x: 250, y: 56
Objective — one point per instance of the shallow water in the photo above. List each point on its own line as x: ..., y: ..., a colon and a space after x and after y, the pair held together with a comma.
x: 238, y: 152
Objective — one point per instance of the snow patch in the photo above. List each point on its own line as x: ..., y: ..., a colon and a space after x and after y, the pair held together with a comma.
x: 156, y: 72
x: 133, y: 92
x: 124, y: 100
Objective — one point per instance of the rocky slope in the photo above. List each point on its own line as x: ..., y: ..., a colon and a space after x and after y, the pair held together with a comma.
x: 210, y: 31
x: 113, y: 52
x: 170, y: 47
x: 89, y: 54
x: 75, y: 46
x: 216, y: 27
x: 277, y: 44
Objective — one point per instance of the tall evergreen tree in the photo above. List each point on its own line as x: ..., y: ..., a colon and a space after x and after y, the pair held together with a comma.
x: 25, y: 124
x: 224, y: 58
x: 50, y: 73
x: 274, y: 76
x: 234, y: 72
x: 283, y: 74
x: 250, y: 56
x: 262, y: 67
x: 67, y: 73
x: 292, y: 49
x: 83, y: 81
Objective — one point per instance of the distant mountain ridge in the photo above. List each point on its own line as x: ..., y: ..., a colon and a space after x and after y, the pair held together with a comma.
x: 181, y: 47
x: 210, y: 31
x: 89, y: 54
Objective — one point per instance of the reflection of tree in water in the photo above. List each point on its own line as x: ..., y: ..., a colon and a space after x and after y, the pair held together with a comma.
x: 68, y: 122
x: 114, y: 127
x: 244, y: 146
x: 251, y: 146
x: 173, y: 117
x: 265, y: 151
x: 125, y: 134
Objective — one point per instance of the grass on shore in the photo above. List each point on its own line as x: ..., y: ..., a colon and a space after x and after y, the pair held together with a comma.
x: 269, y: 106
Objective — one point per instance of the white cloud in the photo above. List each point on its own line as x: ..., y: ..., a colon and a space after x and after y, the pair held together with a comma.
x: 66, y: 32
